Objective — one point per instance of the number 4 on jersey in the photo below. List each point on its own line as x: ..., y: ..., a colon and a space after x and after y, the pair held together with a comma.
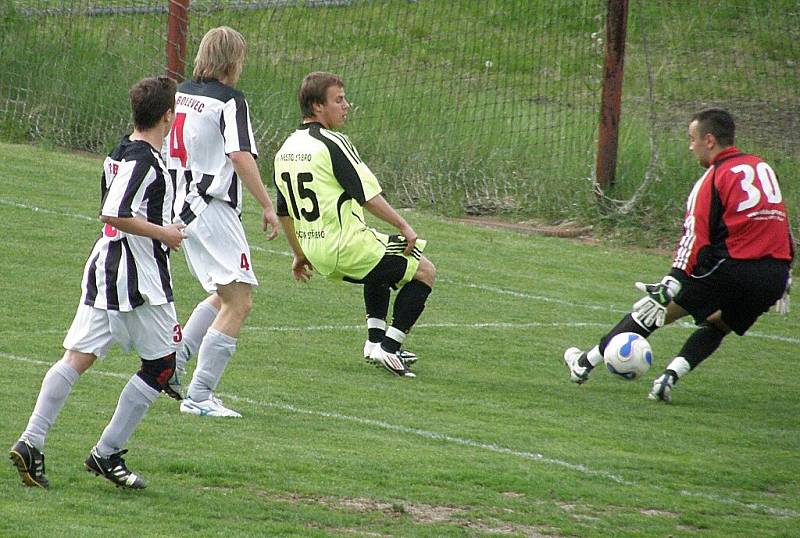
x: 176, y: 147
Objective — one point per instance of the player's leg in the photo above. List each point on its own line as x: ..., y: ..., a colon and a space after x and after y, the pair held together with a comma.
x: 761, y: 281
x: 216, y: 350
x: 195, y: 329
x: 392, y: 269
x: 409, y: 304
x: 27, y: 453
x: 87, y: 338
x: 415, y: 286
x: 581, y: 363
x: 139, y: 393
x: 218, y: 254
x: 151, y: 331
x: 193, y: 333
x: 697, y: 348
x: 376, y: 304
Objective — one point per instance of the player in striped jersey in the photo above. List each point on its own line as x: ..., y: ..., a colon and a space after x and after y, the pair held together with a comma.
x: 322, y: 186
x: 212, y: 153
x: 732, y: 262
x: 127, y: 294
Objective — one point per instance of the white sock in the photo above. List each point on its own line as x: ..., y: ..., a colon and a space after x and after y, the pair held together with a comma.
x: 215, y: 352
x: 594, y: 356
x: 375, y: 323
x: 680, y: 366
x: 395, y: 334
x: 193, y: 332
x: 56, y: 386
x: 134, y: 401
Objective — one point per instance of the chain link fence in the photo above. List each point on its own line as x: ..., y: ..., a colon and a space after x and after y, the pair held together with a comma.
x: 478, y: 107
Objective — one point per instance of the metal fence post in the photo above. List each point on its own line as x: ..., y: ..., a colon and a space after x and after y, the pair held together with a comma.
x: 177, y: 30
x: 610, y: 105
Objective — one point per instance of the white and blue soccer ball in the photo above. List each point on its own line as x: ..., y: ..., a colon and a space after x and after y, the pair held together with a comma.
x: 628, y: 356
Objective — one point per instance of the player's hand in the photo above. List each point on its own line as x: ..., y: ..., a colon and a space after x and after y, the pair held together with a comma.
x: 411, y: 238
x: 269, y: 223
x: 782, y: 306
x: 173, y: 235
x: 651, y: 310
x: 301, y: 268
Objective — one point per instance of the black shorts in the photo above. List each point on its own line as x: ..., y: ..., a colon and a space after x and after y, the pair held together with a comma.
x: 389, y: 271
x: 741, y: 289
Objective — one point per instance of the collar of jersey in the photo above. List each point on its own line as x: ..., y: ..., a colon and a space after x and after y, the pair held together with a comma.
x: 725, y: 153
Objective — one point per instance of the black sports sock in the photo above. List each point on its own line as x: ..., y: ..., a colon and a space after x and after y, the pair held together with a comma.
x: 375, y: 335
x: 376, y: 302
x: 701, y: 344
x: 626, y: 325
x: 409, y: 304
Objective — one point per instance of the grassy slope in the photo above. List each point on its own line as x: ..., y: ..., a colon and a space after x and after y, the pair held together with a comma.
x: 441, y: 128
x: 489, y: 438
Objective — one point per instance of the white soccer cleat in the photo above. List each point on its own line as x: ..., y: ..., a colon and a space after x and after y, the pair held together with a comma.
x: 577, y: 374
x: 662, y: 388
x: 212, y: 407
x: 368, y: 348
x: 404, y: 355
x: 390, y: 361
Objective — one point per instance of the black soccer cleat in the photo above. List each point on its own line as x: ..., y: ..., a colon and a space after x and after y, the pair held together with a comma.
x: 113, y: 469
x: 29, y: 463
x: 170, y: 391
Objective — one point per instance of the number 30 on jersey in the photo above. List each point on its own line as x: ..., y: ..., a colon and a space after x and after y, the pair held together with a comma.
x: 767, y: 179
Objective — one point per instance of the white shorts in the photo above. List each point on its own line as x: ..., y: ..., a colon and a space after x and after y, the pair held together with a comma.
x: 153, y: 331
x: 216, y: 248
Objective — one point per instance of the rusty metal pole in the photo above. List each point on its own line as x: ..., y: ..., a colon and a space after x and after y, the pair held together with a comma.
x: 611, y: 102
x: 177, y: 30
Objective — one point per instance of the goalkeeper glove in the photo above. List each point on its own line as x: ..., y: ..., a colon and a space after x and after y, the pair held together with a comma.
x: 651, y: 310
x: 782, y: 306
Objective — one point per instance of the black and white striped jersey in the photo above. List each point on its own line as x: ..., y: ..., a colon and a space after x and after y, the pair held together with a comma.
x: 125, y: 270
x: 212, y: 120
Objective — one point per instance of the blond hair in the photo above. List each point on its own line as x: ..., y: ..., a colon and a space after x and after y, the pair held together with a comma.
x: 221, y: 54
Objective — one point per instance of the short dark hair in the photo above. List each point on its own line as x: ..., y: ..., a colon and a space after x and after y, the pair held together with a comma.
x: 313, y: 89
x: 718, y: 122
x: 150, y: 99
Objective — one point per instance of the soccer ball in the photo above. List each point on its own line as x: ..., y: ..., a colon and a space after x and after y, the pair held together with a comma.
x: 628, y: 355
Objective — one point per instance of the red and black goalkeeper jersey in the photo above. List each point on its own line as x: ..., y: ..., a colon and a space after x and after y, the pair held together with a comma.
x: 735, y: 210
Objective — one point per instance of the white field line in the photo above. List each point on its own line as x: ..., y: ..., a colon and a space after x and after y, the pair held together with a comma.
x: 491, y: 289
x: 479, y: 325
x: 488, y: 325
x: 453, y: 440
x: 46, y: 211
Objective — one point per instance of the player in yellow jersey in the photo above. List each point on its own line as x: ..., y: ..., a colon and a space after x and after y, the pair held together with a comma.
x: 323, y: 187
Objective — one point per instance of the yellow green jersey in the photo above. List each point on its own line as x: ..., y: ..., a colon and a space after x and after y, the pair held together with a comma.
x: 322, y: 184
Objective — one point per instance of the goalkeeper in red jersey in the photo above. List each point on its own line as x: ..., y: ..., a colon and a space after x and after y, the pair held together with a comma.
x: 732, y: 262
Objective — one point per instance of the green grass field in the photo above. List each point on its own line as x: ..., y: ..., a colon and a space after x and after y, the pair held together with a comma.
x: 489, y: 439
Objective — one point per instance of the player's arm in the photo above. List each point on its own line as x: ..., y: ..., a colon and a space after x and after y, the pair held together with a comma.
x: 360, y: 183
x: 247, y: 170
x: 301, y: 267
x: 378, y: 206
x: 171, y: 234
